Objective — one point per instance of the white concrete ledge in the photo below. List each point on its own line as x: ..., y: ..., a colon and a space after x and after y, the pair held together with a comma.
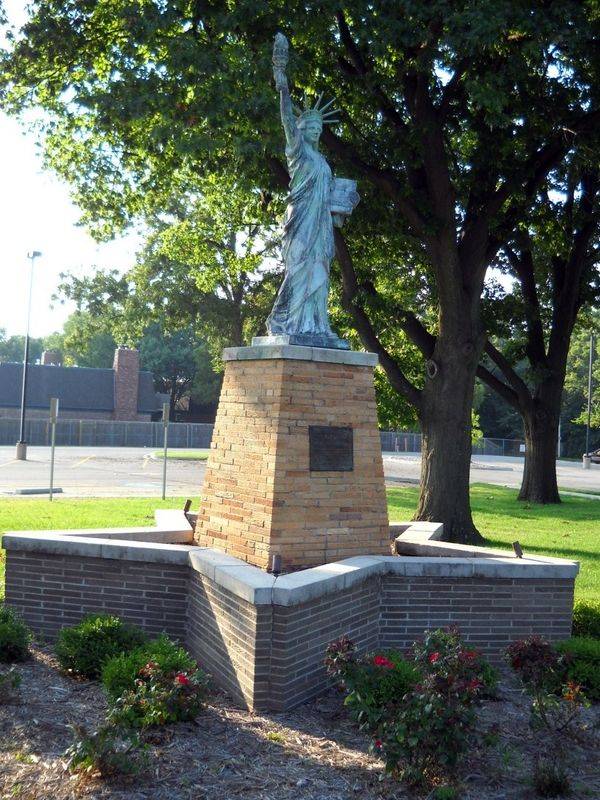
x: 71, y: 544
x: 426, y: 557
x: 424, y: 531
x: 300, y: 353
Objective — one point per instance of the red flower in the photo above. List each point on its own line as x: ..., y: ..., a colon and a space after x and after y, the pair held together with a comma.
x: 434, y: 657
x: 382, y: 661
x: 378, y: 744
x: 474, y: 684
x: 182, y: 679
x: 468, y: 655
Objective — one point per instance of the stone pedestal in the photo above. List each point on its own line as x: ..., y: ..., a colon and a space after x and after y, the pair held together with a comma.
x: 295, y: 468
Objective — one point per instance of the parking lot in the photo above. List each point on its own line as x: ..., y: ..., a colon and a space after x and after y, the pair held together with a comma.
x: 130, y: 472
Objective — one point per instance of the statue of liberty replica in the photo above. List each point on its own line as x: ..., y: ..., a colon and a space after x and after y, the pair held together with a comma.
x: 315, y: 203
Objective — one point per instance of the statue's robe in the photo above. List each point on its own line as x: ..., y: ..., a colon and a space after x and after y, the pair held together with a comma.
x: 301, y: 304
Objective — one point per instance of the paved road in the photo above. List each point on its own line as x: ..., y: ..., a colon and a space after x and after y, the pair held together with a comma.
x: 99, y: 472
x: 500, y: 470
x: 132, y: 471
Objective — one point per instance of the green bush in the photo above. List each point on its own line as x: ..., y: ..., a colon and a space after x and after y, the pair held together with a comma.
x: 419, y: 710
x: 374, y: 682
x: 586, y: 619
x: 15, y: 636
x: 582, y: 657
x: 84, y: 648
x: 159, y: 697
x: 110, y: 751
x: 120, y: 673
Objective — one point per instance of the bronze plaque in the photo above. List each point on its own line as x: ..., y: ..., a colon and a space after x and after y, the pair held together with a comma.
x: 331, y: 448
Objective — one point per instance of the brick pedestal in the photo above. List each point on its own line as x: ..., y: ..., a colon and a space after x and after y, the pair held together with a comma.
x: 260, y: 495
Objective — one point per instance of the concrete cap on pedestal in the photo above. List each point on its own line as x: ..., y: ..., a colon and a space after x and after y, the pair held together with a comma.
x: 300, y: 353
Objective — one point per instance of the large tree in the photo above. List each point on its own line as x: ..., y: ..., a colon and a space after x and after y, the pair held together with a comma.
x: 454, y: 116
x: 12, y: 348
x: 554, y: 263
x: 177, y: 360
x: 205, y: 266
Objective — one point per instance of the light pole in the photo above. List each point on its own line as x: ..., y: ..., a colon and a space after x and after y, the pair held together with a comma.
x: 587, y: 461
x: 22, y: 444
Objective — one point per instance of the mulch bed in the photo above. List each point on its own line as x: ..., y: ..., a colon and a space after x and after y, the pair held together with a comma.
x: 311, y: 753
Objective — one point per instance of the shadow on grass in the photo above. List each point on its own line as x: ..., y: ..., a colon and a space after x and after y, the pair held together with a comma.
x: 559, y: 552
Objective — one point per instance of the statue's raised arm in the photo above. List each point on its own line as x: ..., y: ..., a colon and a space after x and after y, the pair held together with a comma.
x: 315, y: 202
x: 280, y: 60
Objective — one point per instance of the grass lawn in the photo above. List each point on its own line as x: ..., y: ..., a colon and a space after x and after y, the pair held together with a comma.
x: 570, y: 530
x: 41, y: 514
x: 183, y: 455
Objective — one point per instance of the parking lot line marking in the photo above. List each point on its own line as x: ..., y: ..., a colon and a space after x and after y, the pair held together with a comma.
x: 6, y: 463
x: 83, y: 460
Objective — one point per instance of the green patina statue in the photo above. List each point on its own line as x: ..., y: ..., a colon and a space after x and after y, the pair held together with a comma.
x: 315, y: 203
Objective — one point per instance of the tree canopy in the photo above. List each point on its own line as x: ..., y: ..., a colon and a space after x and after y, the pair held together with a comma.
x: 454, y: 117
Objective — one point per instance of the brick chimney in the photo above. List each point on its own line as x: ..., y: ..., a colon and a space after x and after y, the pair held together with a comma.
x: 126, y: 367
x: 51, y: 358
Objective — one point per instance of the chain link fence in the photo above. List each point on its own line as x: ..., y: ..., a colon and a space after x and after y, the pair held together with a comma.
x: 101, y: 433
x: 409, y: 442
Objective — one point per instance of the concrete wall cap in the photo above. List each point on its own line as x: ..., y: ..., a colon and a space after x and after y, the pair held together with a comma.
x: 300, y: 353
x: 260, y: 588
x: 205, y: 560
x: 94, y: 547
x: 248, y: 582
x: 171, y: 519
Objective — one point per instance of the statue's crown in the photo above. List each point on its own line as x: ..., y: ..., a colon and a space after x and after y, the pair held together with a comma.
x: 322, y: 113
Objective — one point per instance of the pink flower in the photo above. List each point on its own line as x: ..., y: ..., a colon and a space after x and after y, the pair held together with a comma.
x: 382, y: 661
x: 434, y: 657
x: 182, y: 679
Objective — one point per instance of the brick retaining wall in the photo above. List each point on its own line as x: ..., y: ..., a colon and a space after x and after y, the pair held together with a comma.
x: 263, y: 638
x: 53, y: 591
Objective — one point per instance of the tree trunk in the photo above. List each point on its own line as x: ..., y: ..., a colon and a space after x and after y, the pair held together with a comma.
x: 446, y: 452
x: 540, y: 421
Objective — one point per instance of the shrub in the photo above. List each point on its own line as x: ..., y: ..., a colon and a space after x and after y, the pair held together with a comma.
x: 120, y: 673
x: 374, y: 683
x: 442, y: 651
x: 15, y: 636
x: 160, y: 697
x: 539, y: 666
x: 586, y: 619
x: 108, y: 751
x: 582, y: 659
x: 84, y: 648
x: 556, y: 704
x: 424, y: 731
x: 10, y: 681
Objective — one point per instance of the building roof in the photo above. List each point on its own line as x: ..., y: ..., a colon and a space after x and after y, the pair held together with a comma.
x: 78, y: 388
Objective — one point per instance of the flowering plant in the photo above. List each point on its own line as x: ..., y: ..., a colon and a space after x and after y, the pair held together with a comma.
x: 556, y: 701
x: 422, y: 726
x: 537, y: 663
x: 373, y: 683
x: 160, y: 697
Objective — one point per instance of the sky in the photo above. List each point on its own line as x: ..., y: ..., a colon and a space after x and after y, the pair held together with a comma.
x: 36, y: 213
